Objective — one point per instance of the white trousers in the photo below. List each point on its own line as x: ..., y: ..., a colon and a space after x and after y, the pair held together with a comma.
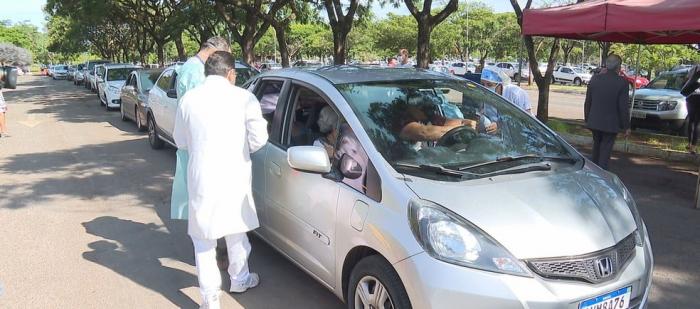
x: 208, y: 274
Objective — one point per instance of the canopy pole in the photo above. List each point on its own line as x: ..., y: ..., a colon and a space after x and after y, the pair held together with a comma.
x: 634, y: 88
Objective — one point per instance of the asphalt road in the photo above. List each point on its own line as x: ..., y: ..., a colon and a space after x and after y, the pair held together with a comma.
x: 84, y: 216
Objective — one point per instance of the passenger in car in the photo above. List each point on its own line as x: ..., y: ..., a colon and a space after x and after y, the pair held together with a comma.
x: 328, y: 125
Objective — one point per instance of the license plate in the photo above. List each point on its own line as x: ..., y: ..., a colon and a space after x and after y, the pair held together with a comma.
x: 619, y: 299
x: 639, y: 115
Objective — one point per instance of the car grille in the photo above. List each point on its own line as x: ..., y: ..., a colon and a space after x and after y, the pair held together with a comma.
x: 649, y: 105
x: 585, y: 267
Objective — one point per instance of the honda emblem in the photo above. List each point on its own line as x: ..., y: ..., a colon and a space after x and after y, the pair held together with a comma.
x: 604, y: 267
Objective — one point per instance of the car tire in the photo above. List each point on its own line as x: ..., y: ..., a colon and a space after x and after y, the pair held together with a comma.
x: 577, y: 81
x: 122, y: 114
x: 371, y: 273
x: 139, y: 124
x: 153, y: 137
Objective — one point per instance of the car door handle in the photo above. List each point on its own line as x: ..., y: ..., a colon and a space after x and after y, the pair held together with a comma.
x: 275, y: 169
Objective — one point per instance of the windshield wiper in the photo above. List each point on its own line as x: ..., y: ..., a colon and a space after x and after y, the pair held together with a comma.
x: 518, y: 158
x: 517, y: 170
x: 435, y: 168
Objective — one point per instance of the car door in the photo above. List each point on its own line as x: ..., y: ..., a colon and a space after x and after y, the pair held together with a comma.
x: 568, y: 74
x: 128, y: 96
x: 170, y: 106
x: 301, y: 206
x: 157, y: 98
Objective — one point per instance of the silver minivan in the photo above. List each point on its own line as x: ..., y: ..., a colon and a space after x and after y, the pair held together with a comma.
x: 405, y: 188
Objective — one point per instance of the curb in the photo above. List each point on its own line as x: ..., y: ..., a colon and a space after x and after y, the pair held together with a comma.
x: 668, y: 155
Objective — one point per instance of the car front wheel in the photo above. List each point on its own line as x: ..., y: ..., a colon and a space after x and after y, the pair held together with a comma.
x: 153, y: 138
x: 121, y: 112
x: 577, y: 82
x: 375, y: 284
x: 139, y: 124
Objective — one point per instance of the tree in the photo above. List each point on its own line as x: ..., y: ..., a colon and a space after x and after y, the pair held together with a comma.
x: 426, y: 23
x: 566, y: 47
x: 341, y: 24
x: 542, y: 80
x: 245, y: 22
x: 395, y: 32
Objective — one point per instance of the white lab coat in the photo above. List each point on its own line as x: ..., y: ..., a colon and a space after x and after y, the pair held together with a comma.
x: 220, y: 125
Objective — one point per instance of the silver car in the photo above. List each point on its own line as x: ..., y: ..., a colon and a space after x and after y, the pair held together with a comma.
x: 404, y: 188
x: 661, y: 105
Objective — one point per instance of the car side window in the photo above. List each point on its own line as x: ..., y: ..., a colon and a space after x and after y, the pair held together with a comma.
x: 164, y: 81
x: 135, y: 82
x: 268, y: 94
x: 302, y: 115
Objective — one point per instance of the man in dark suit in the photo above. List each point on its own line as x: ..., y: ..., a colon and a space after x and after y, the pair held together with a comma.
x: 607, y: 109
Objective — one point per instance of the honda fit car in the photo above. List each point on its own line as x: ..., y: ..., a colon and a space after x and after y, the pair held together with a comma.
x: 404, y: 188
x: 110, y: 83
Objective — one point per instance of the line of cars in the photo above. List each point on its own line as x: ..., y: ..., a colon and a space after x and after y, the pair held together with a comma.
x: 391, y: 223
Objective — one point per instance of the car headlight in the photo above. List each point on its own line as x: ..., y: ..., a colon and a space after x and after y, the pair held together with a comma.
x: 448, y: 237
x: 627, y: 196
x: 667, y: 105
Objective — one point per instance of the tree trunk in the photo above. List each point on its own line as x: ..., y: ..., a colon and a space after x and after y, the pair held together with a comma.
x: 423, y: 52
x: 248, y: 49
x: 181, y: 53
x: 482, y: 61
x: 339, y: 47
x: 161, y: 53
x: 566, y: 56
x: 604, y: 51
x: 282, y: 42
x: 543, y: 82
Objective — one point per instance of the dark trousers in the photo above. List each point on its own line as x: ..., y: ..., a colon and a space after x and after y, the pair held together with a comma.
x: 693, y: 104
x: 603, y: 143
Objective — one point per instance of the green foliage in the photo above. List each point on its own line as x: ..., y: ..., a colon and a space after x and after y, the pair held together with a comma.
x: 657, y: 58
x: 25, y: 36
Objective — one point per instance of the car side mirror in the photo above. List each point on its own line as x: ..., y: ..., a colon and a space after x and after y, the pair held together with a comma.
x: 172, y: 93
x: 309, y: 159
x: 349, y: 167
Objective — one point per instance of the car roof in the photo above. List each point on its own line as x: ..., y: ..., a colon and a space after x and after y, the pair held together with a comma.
x: 349, y: 74
x: 121, y: 66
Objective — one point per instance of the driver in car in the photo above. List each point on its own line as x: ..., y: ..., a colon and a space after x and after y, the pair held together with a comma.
x: 417, y: 126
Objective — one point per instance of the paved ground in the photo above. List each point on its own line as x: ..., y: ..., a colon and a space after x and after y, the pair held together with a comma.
x: 561, y: 105
x: 85, y: 205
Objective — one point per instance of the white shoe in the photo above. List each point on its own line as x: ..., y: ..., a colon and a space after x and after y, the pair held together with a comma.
x: 211, y: 302
x: 253, y: 280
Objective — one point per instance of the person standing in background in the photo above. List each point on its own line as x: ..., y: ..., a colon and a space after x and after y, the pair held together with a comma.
x: 498, y: 81
x: 606, y: 109
x: 404, y: 60
x: 691, y: 91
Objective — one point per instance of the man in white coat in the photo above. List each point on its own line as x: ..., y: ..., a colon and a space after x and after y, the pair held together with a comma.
x: 220, y: 125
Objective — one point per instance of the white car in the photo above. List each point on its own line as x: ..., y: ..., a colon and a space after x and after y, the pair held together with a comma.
x: 513, y: 70
x: 60, y: 72
x: 162, y: 107
x: 110, y: 83
x: 461, y: 68
x: 567, y: 74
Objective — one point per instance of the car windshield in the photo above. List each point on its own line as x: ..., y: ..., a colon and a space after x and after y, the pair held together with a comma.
x: 580, y: 71
x: 243, y: 74
x: 118, y: 74
x: 674, y: 81
x: 148, y: 79
x: 447, y: 123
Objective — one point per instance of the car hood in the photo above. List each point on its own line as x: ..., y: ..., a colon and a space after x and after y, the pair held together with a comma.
x: 559, y: 214
x: 658, y: 94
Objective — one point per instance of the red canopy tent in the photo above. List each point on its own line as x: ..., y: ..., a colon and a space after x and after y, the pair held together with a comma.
x: 623, y: 21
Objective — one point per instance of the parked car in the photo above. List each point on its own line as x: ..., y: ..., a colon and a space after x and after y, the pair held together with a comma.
x: 439, y: 68
x: 59, y: 72
x: 492, y: 220
x: 639, y: 81
x: 306, y: 64
x: 513, y: 70
x: 162, y: 103
x: 661, y: 105
x: 90, y: 73
x: 70, y: 75
x: 134, y: 96
x: 49, y: 70
x: 110, y: 83
x: 459, y: 68
x: 99, y: 78
x: 570, y: 75
x: 270, y: 66
x: 79, y: 78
